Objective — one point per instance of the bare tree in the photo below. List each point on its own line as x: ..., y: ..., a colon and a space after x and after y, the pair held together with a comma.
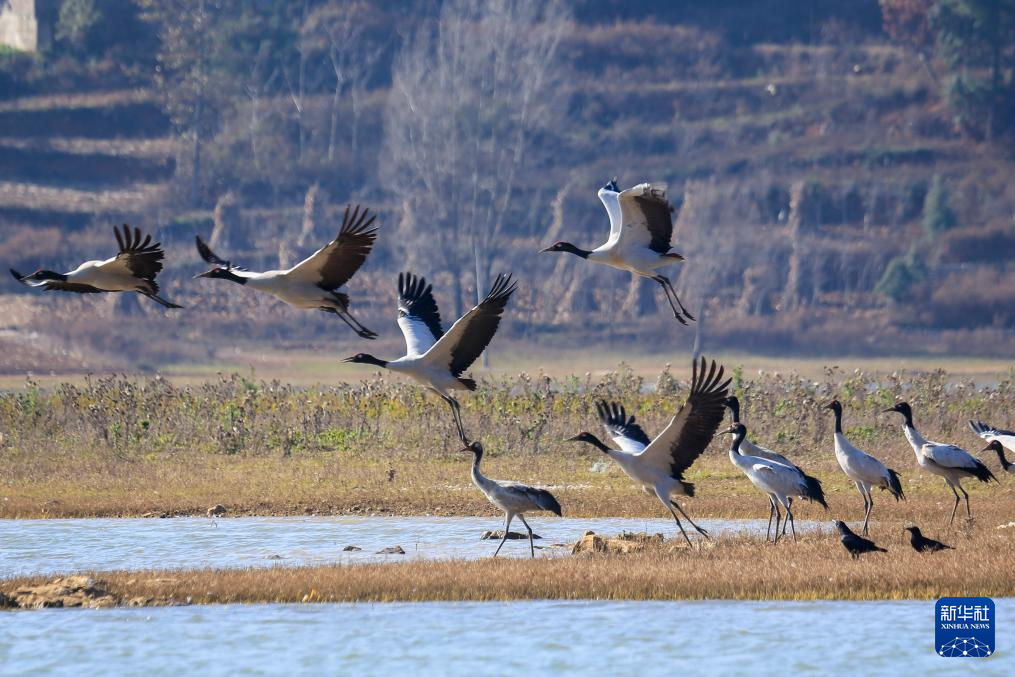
x: 473, y: 93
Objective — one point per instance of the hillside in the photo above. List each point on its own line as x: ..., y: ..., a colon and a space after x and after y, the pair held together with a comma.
x: 804, y: 163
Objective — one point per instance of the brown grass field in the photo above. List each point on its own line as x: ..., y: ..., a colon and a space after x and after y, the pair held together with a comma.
x: 816, y: 567
x: 146, y: 446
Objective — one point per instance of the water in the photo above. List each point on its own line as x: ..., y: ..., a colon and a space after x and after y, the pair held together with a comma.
x: 624, y: 638
x: 68, y: 545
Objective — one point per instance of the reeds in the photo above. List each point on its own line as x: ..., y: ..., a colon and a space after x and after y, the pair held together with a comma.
x: 816, y: 567
x: 117, y: 446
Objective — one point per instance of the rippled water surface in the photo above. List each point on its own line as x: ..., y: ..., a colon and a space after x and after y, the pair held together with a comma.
x: 622, y: 638
x: 60, y: 546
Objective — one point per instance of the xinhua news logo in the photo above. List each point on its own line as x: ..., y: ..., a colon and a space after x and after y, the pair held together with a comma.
x: 964, y: 627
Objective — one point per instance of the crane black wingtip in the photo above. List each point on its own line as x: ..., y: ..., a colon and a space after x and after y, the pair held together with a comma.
x: 18, y: 276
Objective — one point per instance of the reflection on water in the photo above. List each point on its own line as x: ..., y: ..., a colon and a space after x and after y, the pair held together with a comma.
x: 626, y: 638
x: 67, y: 545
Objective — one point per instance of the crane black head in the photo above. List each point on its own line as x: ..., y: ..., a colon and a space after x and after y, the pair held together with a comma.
x: 567, y: 247
x: 998, y: 449
x: 39, y: 276
x: 834, y: 406
x: 734, y: 406
x: 904, y: 409
x: 589, y: 438
x: 612, y: 185
x: 366, y: 358
x: 223, y: 273
x: 476, y: 448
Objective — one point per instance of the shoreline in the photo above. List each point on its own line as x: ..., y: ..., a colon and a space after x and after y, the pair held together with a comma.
x: 737, y: 568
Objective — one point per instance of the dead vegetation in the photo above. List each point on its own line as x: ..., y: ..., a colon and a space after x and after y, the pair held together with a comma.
x: 739, y: 568
x: 131, y: 447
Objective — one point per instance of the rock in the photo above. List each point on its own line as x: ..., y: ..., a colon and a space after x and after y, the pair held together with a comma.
x: 69, y: 591
x: 394, y: 550
x: 351, y: 548
x: 1010, y: 525
x: 512, y: 535
x: 600, y: 466
x: 276, y: 556
x: 623, y: 544
x: 216, y: 510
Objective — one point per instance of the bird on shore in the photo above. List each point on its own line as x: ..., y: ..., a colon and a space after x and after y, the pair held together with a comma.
x: 855, y: 545
x: 641, y: 227
x: 863, y: 469
x: 780, y: 482
x: 313, y: 283
x: 513, y: 498
x: 134, y: 268
x: 945, y: 460
x: 749, y: 448
x: 436, y: 359
x: 658, y: 465
x: 997, y: 440
x: 921, y: 543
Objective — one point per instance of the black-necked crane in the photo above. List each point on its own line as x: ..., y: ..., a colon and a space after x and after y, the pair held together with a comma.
x: 921, y: 543
x: 948, y: 461
x: 436, y: 359
x: 780, y: 482
x: 997, y: 441
x: 863, y: 469
x: 855, y: 545
x: 749, y: 448
x: 641, y: 227
x: 513, y: 498
x: 132, y: 269
x: 658, y: 465
x: 313, y: 283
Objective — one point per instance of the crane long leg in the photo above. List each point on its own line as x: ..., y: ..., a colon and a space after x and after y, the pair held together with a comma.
x: 680, y: 526
x: 956, y: 506
x: 969, y: 515
x: 673, y: 292
x: 869, y: 505
x: 785, y: 522
x: 663, y: 282
x: 789, y: 518
x: 777, y: 518
x: 507, y: 528
x: 357, y: 326
x: 771, y: 514
x: 532, y: 548
x: 457, y: 414
x: 696, y: 527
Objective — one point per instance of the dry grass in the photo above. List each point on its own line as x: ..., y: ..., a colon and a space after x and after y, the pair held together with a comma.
x: 121, y: 447
x: 739, y: 568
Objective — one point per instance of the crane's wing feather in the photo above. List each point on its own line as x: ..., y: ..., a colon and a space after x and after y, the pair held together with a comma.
x: 210, y: 257
x: 611, y: 201
x: 472, y: 333
x: 141, y: 258
x: 335, y: 263
x: 647, y: 217
x: 418, y: 315
x: 626, y: 434
x: 695, y: 423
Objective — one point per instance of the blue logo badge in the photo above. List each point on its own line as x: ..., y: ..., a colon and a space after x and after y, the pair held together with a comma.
x: 964, y: 627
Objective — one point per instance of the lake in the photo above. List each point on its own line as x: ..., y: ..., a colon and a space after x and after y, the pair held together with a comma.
x: 541, y: 637
x: 69, y: 545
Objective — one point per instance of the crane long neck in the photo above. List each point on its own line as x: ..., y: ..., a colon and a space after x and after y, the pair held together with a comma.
x: 577, y: 251
x: 477, y: 476
x: 598, y: 444
x: 1005, y: 463
x: 838, y: 419
x: 738, y: 438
